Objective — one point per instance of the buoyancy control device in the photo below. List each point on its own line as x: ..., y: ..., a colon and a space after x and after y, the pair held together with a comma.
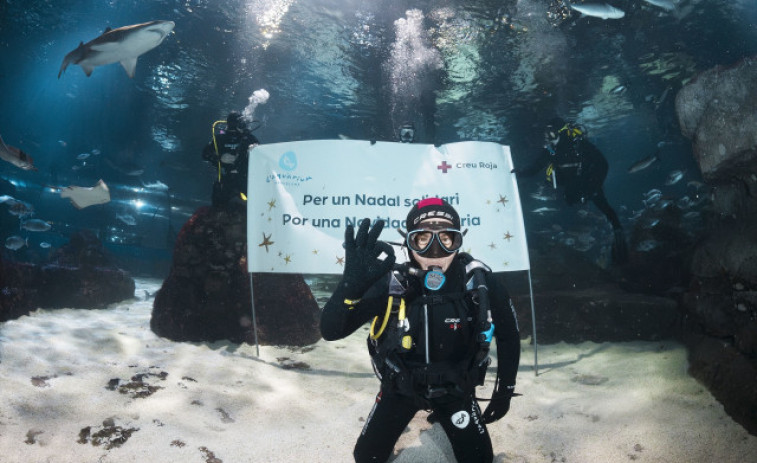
x: 392, y: 338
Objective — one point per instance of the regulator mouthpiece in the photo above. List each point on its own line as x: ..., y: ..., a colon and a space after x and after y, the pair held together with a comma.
x: 434, y: 278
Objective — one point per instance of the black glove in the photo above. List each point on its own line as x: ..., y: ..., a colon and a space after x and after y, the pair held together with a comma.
x: 498, y: 407
x: 362, y: 267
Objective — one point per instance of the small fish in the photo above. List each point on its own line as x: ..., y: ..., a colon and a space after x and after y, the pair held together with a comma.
x: 20, y: 208
x: 542, y: 197
x: 666, y: 5
x: 619, y: 90
x: 35, y: 225
x: 127, y: 219
x: 674, y: 177
x: 651, y: 197
x: 542, y: 210
x: 642, y: 164
x: 599, y: 10
x: 45, y: 245
x: 15, y: 242
x: 515, y: 25
x: 5, y: 198
x: 651, y: 223
x: 82, y: 156
x: 684, y: 203
x: 663, y: 204
x: 646, y: 245
x: 695, y: 184
x: 16, y: 157
x: 95, y: 152
x: 157, y: 185
x: 62, y: 143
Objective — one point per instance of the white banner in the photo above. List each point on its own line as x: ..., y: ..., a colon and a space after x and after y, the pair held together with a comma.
x: 302, y: 195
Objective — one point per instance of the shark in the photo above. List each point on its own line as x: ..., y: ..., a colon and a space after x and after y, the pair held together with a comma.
x: 16, y: 157
x: 599, y: 10
x: 123, y: 45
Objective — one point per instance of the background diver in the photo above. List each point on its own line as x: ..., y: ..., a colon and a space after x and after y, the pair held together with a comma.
x: 579, y: 168
x: 433, y: 320
x: 229, y: 151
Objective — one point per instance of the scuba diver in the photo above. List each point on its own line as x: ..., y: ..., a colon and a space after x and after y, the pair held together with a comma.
x: 433, y: 321
x: 228, y: 149
x: 406, y: 133
x: 580, y: 169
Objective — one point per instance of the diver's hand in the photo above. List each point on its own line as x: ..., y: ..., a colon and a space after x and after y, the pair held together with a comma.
x: 498, y: 407
x: 228, y: 158
x: 362, y: 267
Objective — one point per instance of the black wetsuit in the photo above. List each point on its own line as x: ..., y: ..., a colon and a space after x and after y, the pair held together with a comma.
x: 452, y: 344
x: 580, y: 169
x: 233, y: 176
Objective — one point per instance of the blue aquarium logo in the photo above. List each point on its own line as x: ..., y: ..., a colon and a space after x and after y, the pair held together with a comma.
x: 288, y: 161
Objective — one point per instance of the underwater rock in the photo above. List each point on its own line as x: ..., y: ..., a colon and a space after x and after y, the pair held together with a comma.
x: 604, y: 313
x: 14, y: 301
x: 76, y: 284
x: 83, y: 249
x: 728, y: 374
x: 206, y: 296
x: 721, y: 318
x: 718, y: 112
x: 575, y: 301
x: 721, y: 313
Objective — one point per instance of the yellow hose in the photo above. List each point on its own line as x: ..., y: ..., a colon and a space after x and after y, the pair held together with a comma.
x: 215, y: 145
x: 374, y: 335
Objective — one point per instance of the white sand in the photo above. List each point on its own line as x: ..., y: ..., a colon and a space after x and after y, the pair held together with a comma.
x: 219, y: 403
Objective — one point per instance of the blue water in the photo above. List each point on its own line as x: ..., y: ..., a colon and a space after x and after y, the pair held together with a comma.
x: 484, y: 70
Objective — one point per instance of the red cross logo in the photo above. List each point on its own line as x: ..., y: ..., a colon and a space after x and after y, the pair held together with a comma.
x: 444, y: 167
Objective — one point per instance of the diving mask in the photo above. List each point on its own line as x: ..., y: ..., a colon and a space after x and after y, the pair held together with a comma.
x: 435, y: 240
x: 407, y: 133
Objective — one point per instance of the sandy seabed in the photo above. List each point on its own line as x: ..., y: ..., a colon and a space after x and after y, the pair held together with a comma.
x: 99, y: 386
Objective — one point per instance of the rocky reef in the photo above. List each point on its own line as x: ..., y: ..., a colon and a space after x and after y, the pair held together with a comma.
x: 206, y: 296
x: 79, y: 275
x: 718, y: 112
